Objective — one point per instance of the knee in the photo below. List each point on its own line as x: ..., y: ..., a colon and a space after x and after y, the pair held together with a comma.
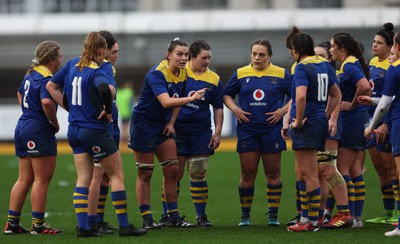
x: 197, y: 168
x: 145, y: 171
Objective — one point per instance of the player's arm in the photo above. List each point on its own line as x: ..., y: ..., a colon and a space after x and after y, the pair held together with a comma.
x: 56, y: 94
x: 170, y: 102
x: 218, y: 121
x: 237, y: 111
x: 19, y: 96
x: 50, y: 110
x: 301, y: 96
x: 169, y: 128
x: 380, y: 111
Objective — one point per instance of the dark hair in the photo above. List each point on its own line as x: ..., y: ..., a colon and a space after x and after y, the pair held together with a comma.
x: 196, y: 47
x: 397, y: 38
x: 264, y: 43
x: 110, y: 39
x: 293, y: 31
x: 303, y: 44
x: 346, y: 41
x: 327, y: 46
x: 386, y: 32
x: 175, y: 42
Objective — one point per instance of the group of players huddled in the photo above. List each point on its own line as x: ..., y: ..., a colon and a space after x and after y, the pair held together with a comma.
x: 324, y: 105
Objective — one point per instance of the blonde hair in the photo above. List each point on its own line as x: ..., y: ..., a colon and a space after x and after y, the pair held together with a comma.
x: 45, y: 52
x: 92, y: 44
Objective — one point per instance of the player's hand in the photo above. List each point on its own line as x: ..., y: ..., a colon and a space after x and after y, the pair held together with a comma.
x: 215, y: 141
x: 381, y: 133
x: 345, y: 106
x: 364, y: 100
x: 368, y: 133
x: 199, y: 95
x: 297, y: 124
x: 275, y: 116
x: 241, y: 115
x: 332, y: 127
x: 169, y: 130
x: 104, y: 115
x: 284, y: 132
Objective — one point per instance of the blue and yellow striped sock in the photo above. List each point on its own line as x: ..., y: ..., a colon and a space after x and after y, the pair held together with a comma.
x: 330, y: 203
x: 388, y: 197
x: 350, y: 193
x: 396, y: 191
x: 314, y: 201
x: 303, y: 199
x: 81, y: 206
x: 274, y: 193
x: 343, y: 209
x: 145, y: 211
x: 102, y: 203
x: 164, y: 202
x: 13, y: 217
x: 172, y: 210
x: 119, y: 202
x: 246, y: 200
x: 37, y: 218
x: 298, y: 202
x: 199, y: 194
x: 359, y: 193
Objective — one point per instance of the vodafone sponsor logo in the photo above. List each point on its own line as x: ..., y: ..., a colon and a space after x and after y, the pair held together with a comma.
x: 258, y: 95
x: 96, y: 149
x: 31, y: 146
x: 175, y: 95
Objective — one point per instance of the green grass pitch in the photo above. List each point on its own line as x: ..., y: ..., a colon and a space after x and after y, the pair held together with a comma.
x: 223, y: 207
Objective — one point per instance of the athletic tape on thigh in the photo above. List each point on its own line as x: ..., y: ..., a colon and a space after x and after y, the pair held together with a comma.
x: 327, y: 157
x: 336, y: 180
x: 145, y: 166
x: 197, y: 168
x: 169, y: 162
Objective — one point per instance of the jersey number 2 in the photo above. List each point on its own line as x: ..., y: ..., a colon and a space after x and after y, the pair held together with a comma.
x: 27, y: 85
x: 322, y: 87
x: 76, y: 91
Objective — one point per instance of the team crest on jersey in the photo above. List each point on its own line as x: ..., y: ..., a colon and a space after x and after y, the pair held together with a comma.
x: 273, y: 80
x: 96, y: 149
x: 31, y: 145
x: 258, y: 95
x: 382, y: 73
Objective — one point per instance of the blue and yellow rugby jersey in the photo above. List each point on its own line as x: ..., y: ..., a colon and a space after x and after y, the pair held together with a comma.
x: 349, y: 74
x: 84, y: 100
x: 391, y: 87
x: 292, y: 69
x: 110, y: 72
x: 259, y: 92
x: 318, y: 76
x: 33, y: 90
x: 378, y: 71
x: 196, y: 115
x: 158, y: 80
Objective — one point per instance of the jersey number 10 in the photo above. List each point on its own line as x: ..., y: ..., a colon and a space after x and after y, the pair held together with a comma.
x: 322, y: 87
x: 76, y: 91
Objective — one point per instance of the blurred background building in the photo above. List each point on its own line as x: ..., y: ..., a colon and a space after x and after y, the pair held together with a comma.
x: 145, y: 27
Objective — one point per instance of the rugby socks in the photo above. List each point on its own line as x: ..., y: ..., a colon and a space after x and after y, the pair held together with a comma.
x: 359, y: 194
x: 120, y: 205
x: 14, y: 217
x: 81, y: 206
x: 298, y: 202
x: 172, y: 211
x: 330, y: 203
x: 274, y: 193
x: 246, y: 200
x: 145, y: 211
x: 164, y: 202
x: 304, y: 201
x: 395, y: 184
x: 37, y: 218
x: 102, y: 203
x: 199, y: 194
x: 343, y: 209
x: 388, y: 198
x: 314, y: 201
x: 350, y: 193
